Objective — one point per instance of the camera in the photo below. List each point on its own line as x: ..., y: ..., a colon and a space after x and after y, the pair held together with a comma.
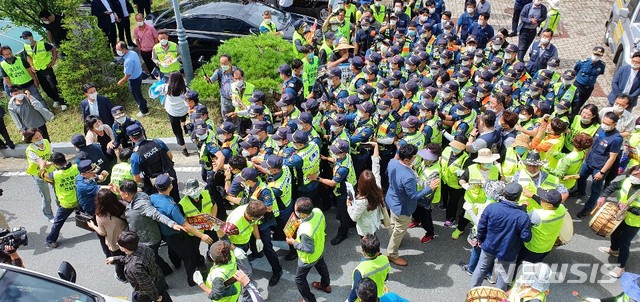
x: 14, y: 239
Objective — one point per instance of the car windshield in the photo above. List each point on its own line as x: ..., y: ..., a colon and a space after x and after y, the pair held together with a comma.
x: 20, y: 287
x: 254, y: 15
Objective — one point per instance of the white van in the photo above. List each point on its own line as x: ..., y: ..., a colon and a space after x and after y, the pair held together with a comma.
x: 622, y: 31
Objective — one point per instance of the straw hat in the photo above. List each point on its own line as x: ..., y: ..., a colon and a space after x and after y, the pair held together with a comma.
x: 458, y: 145
x: 522, y: 140
x: 343, y: 46
x: 485, y: 156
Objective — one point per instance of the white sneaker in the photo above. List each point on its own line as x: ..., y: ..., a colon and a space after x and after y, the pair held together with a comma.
x: 51, y: 220
x: 63, y: 107
x: 607, y: 250
x: 56, y: 104
x: 616, y: 272
x: 140, y: 114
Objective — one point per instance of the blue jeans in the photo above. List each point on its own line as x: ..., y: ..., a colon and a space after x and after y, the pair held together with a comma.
x: 135, y: 86
x: 61, y: 216
x: 503, y: 269
x: 596, y: 186
x: 45, y: 195
x: 473, y: 261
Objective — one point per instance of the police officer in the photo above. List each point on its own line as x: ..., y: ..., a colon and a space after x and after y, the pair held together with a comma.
x: 229, y: 142
x: 306, y: 162
x: 120, y: 124
x: 305, y: 123
x: 385, y: 134
x: 153, y: 158
x: 288, y: 110
x: 292, y: 85
x: 343, y: 172
x: 43, y: 56
x: 412, y: 136
x: 267, y: 145
x: 362, y: 134
x: 280, y: 179
x: 358, y: 76
x: 92, y: 152
x: 211, y: 157
x: 588, y: 71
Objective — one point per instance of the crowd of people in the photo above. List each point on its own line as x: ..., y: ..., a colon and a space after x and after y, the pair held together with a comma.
x: 386, y: 114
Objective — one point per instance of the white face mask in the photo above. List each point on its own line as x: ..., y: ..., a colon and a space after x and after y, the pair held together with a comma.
x: 471, y: 48
x: 595, y: 58
x: 432, y: 10
x: 618, y: 109
x: 567, y: 82
x: 202, y: 137
x: 443, y: 61
x: 544, y: 40
x: 382, y: 112
x: 470, y: 10
x: 393, y: 22
x: 121, y: 120
x: 405, y: 129
x: 240, y: 83
x: 245, y: 153
x: 523, y: 117
x: 459, y: 112
x: 334, y: 128
x: 606, y: 128
x: 446, y: 31
x: 254, y: 120
x: 119, y: 53
x: 20, y: 96
x: 637, y: 127
x: 164, y: 42
x: 140, y: 23
x: 334, y: 27
x: 222, y: 138
x: 634, y: 180
x: 378, y: 3
x: 40, y: 142
x: 46, y: 22
x: 397, y: 9
x: 361, y: 96
x: 99, y: 128
x: 552, y: 68
x: 496, y: 46
x: 465, y: 63
x: 508, y: 56
x: 423, y: 19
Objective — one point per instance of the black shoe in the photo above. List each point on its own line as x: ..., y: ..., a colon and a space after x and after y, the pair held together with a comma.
x: 254, y: 256
x: 185, y: 152
x: 167, y: 272
x: 513, y: 34
x: 292, y: 255
x: 176, y: 263
x: 52, y: 245
x: 338, y: 239
x: 191, y: 283
x: 442, y: 207
x: 583, y: 214
x: 575, y: 194
x: 275, y: 278
x: 3, y: 146
x: 11, y: 145
x: 121, y: 278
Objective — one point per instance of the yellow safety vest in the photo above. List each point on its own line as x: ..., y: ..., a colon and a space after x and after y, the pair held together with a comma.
x: 352, y: 90
x: 17, y: 73
x: 120, y: 172
x: 475, y: 193
x: 436, y: 135
x: 298, y: 37
x: 283, y: 183
x: 469, y: 120
x: 551, y: 182
x: 552, y: 155
x: 191, y: 210
x: 449, y: 176
x: 515, y: 297
x: 425, y: 174
x: 511, y: 163
x: 41, y: 57
x: 245, y: 228
x: 315, y: 229
x: 351, y: 176
x: 33, y: 168
x: 576, y: 128
x: 246, y: 95
x: 573, y: 162
x: 309, y: 74
x: 270, y: 26
x: 377, y: 269
x: 310, y: 156
x: 623, y: 197
x: 170, y: 54
x: 544, y: 235
x: 225, y: 272
x: 416, y: 139
x: 64, y: 183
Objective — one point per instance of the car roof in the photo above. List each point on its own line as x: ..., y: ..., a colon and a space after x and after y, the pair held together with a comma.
x: 219, y: 7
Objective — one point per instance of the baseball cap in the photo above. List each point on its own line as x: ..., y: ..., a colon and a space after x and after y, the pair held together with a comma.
x: 336, y: 72
x: 357, y: 62
x: 246, y: 174
x: 299, y: 137
x: 258, y: 96
x: 202, y: 109
x: 365, y: 89
x: 258, y: 126
x: 553, y: 62
x: 338, y: 120
x: 192, y: 95
x: 281, y: 133
x: 310, y: 104
x: 512, y: 191
x: 305, y: 117
x: 340, y: 146
x: 200, y: 128
x: 551, y: 196
x: 26, y: 34
x: 226, y: 127
x: 410, y: 122
x: 273, y: 161
x: 569, y: 74
x: 511, y: 48
x: 286, y: 99
x: 598, y: 51
x: 255, y: 110
x: 366, y: 107
x: 162, y: 182
x: 86, y: 165
x: 117, y: 111
x: 285, y: 68
x: 250, y: 141
x: 383, y: 103
x: 133, y: 130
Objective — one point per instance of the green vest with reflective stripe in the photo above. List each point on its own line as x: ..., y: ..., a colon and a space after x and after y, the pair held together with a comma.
x: 574, y: 160
x: 379, y: 13
x: 345, y: 30
x: 469, y: 120
x: 475, y: 193
x: 551, y: 155
x: 348, y: 12
x: 544, y: 235
x: 551, y: 182
x: 245, y: 228
x: 225, y: 272
x: 64, y: 183
x: 356, y: 147
x: 623, y: 197
x: 120, y: 172
x: 309, y: 74
x: 41, y: 57
x: 45, y: 154
x: 16, y: 72
x: 623, y: 298
x: 310, y: 155
x: 575, y: 129
x: 271, y: 27
x: 351, y: 177
x: 425, y: 174
x: 352, y: 89
x: 327, y: 50
x: 449, y: 176
x: 511, y: 163
x: 383, y: 128
x: 377, y: 269
x: 436, y: 135
x: 284, y: 185
x: 191, y: 210
x: 318, y: 121
x: 298, y: 37
x: 416, y: 139
x: 514, y: 296
x: 170, y: 54
x: 315, y: 229
x: 568, y: 95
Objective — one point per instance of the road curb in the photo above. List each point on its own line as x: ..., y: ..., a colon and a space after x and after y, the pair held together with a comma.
x: 68, y: 148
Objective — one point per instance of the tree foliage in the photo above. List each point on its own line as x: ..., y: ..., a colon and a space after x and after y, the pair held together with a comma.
x: 88, y: 58
x: 258, y: 56
x: 25, y: 12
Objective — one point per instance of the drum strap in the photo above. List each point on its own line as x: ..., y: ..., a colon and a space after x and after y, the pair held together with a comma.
x: 554, y: 219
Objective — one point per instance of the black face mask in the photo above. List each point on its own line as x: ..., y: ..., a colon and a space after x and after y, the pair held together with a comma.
x: 11, y: 60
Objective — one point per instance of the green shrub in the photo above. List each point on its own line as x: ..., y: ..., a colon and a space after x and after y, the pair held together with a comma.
x: 258, y: 56
x: 88, y: 58
x: 25, y: 12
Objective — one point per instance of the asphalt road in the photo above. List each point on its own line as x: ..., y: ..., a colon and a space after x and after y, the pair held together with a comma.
x: 433, y: 273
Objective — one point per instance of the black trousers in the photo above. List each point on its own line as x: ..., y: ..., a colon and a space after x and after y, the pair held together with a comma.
x: 148, y: 61
x: 269, y: 252
x: 4, y: 133
x: 124, y: 30
x: 164, y: 266
x: 533, y: 257
x: 301, y: 278
x: 183, y: 247
x: 385, y: 158
x: 144, y: 7
x: 621, y: 241
x: 526, y: 37
x: 423, y: 216
x: 343, y: 216
x: 453, y: 197
x: 111, y: 33
x: 119, y: 266
x: 613, y: 171
x: 49, y: 84
x: 313, y: 195
x: 584, y: 93
x: 176, y: 127
x: 45, y: 133
x: 137, y: 297
x: 515, y: 20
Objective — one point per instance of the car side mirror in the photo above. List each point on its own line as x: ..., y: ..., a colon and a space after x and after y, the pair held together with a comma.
x: 254, y: 31
x: 67, y: 272
x: 624, y: 13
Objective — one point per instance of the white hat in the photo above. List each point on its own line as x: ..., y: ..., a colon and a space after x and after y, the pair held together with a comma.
x: 485, y: 156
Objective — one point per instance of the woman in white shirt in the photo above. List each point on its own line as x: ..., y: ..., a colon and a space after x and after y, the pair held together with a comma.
x: 365, y: 210
x: 176, y: 106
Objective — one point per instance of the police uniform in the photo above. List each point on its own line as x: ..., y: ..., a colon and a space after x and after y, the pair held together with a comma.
x: 587, y: 75
x: 150, y: 157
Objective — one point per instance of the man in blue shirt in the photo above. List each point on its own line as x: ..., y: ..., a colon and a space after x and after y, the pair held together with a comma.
x: 402, y: 198
x: 532, y: 15
x: 588, y: 72
x: 467, y: 19
x: 607, y: 143
x: 133, y: 74
x: 541, y: 52
x: 482, y: 31
x: 180, y: 244
x: 86, y: 185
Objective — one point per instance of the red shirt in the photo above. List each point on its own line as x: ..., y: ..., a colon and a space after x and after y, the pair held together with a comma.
x: 146, y: 37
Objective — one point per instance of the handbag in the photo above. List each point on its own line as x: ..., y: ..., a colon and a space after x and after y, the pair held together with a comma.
x: 82, y: 220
